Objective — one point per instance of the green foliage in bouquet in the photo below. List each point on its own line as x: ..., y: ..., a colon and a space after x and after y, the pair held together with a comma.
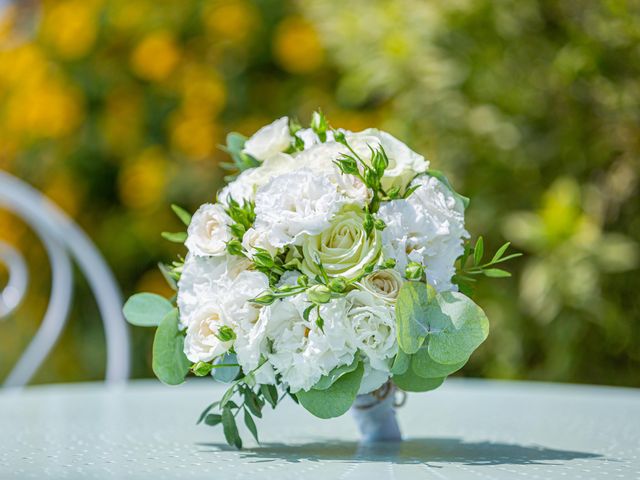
x: 432, y: 328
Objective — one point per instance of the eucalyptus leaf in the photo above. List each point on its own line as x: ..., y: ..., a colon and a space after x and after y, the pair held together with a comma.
x: 400, y: 363
x: 412, y: 309
x: 423, y: 365
x: 226, y: 374
x: 146, y: 309
x: 169, y: 361
x: 450, y: 322
x: 459, y: 326
x: 213, y: 419
x: 327, y: 380
x: 410, y: 382
x: 335, y: 400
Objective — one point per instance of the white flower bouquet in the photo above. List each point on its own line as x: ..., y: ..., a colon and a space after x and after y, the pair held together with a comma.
x: 330, y: 265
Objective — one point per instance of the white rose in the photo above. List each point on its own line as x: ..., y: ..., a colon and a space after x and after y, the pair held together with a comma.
x: 201, y: 344
x: 404, y: 163
x: 269, y: 140
x: 208, y: 232
x: 427, y: 228
x: 373, y: 328
x: 294, y: 204
x: 254, y: 239
x: 300, y: 352
x: 384, y: 284
x: 344, y: 248
x: 203, y: 279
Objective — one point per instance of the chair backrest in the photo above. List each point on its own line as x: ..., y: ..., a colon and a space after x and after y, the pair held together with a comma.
x: 63, y: 240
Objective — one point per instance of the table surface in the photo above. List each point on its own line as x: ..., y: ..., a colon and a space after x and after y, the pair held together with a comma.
x: 468, y: 429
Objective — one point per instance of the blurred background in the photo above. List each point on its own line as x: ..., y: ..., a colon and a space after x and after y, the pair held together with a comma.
x: 115, y: 109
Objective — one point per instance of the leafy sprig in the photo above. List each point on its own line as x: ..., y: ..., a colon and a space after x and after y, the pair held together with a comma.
x: 471, y: 264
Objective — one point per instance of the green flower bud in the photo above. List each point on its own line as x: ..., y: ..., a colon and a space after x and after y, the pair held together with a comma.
x: 234, y: 247
x: 338, y: 284
x: 201, y: 369
x: 319, y: 294
x: 347, y: 164
x: 379, y: 224
x: 414, y: 271
x: 303, y: 280
x: 389, y: 263
x: 319, y: 125
x: 339, y: 137
x: 226, y: 334
x: 266, y: 298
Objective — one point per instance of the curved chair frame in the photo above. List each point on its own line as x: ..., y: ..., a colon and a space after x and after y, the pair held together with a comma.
x: 62, y: 239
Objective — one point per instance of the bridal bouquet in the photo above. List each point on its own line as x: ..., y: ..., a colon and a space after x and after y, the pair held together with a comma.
x: 330, y: 264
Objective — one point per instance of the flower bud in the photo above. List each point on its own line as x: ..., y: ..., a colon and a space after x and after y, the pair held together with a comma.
x: 414, y: 271
x: 201, y: 369
x: 319, y: 294
x: 338, y: 284
x: 226, y: 334
x: 266, y: 298
x: 303, y: 280
x: 389, y: 263
x: 234, y: 247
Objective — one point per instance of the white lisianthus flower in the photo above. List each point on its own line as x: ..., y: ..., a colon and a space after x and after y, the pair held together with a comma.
x: 384, y: 284
x: 372, y: 328
x: 235, y: 294
x: 404, y: 163
x: 344, y: 248
x: 294, y: 204
x: 428, y: 228
x: 300, y: 352
x: 208, y: 232
x: 203, y: 279
x: 201, y: 344
x: 269, y: 140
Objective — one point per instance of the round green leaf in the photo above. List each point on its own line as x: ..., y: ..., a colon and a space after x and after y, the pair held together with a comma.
x: 458, y: 326
x: 400, y: 363
x: 424, y: 366
x: 146, y: 309
x: 169, y: 361
x: 327, y: 380
x: 410, y: 382
x: 335, y: 400
x: 412, y: 311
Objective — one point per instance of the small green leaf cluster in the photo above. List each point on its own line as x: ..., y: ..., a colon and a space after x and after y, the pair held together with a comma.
x: 241, y: 160
x: 471, y: 264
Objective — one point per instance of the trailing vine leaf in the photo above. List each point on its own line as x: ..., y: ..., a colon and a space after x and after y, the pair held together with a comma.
x: 251, y: 425
x: 170, y: 364
x: 230, y: 428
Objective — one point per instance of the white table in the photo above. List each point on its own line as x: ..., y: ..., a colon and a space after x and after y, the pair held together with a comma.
x: 468, y: 429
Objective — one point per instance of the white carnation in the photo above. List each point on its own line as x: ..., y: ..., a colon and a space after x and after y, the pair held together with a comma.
x: 244, y: 187
x: 404, y: 163
x: 201, y: 344
x: 269, y: 140
x: 203, y: 279
x: 373, y: 327
x: 320, y: 158
x: 208, y: 232
x: 300, y: 352
x: 427, y: 228
x: 294, y: 204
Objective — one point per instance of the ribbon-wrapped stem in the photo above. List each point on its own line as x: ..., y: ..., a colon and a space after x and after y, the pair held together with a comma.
x: 375, y: 415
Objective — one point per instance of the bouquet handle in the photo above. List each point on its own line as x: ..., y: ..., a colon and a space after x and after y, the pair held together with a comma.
x: 375, y: 415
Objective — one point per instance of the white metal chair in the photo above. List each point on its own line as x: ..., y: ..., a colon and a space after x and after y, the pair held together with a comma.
x: 63, y: 240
